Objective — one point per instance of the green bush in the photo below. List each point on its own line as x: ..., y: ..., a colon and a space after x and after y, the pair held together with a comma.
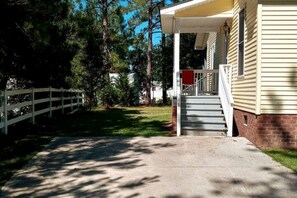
x: 127, y: 94
x: 109, y: 95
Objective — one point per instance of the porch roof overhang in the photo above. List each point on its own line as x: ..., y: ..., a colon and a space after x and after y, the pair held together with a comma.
x: 201, y: 41
x: 197, y: 16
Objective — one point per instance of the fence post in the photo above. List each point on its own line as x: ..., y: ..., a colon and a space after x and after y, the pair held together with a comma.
x: 33, y: 105
x: 82, y: 99
x: 50, y: 102
x: 77, y: 99
x: 62, y: 100
x: 71, y: 100
x: 5, y: 112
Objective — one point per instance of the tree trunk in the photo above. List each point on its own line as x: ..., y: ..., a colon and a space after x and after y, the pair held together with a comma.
x: 105, y: 35
x: 164, y: 83
x: 164, y: 79
x: 149, y: 54
x: 106, y: 63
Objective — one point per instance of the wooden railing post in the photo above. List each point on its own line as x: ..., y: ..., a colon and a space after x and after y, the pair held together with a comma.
x: 50, y: 103
x: 62, y: 100
x: 71, y: 100
x: 77, y: 99
x: 5, y: 112
x: 82, y: 99
x: 33, y: 105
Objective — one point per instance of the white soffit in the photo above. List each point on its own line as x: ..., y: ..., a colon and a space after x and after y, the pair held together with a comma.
x: 201, y: 41
x: 188, y: 24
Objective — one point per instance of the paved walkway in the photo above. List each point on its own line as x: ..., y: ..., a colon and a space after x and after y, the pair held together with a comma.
x: 152, y: 167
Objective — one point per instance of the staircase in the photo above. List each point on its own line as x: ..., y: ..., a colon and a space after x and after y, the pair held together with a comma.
x: 202, y: 116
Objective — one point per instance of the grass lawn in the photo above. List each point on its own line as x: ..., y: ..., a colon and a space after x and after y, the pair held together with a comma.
x: 129, y: 121
x: 24, y: 142
x: 287, y: 158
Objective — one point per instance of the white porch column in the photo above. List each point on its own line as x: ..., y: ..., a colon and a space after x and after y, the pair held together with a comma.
x: 176, y: 81
x: 176, y: 61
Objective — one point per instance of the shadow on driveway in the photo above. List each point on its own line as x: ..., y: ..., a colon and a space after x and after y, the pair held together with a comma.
x: 152, y: 167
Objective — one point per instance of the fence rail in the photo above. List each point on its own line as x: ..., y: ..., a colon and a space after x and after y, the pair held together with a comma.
x: 19, y: 105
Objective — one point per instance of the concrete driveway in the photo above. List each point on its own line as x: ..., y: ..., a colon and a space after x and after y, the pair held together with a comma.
x: 152, y: 167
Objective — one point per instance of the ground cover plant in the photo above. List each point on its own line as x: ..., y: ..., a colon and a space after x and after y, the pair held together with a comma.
x: 287, y: 158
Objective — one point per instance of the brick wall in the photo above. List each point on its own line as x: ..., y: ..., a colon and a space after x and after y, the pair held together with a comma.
x: 174, y: 119
x: 267, y: 131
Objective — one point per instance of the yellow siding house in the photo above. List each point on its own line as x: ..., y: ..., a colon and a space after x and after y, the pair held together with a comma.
x: 260, y: 46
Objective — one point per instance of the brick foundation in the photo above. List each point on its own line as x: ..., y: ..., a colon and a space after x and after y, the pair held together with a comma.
x: 173, y: 118
x: 267, y: 131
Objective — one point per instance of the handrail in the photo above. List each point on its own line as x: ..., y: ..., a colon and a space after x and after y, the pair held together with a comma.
x: 206, y: 82
x: 199, y: 83
x: 31, y: 99
x: 225, y: 94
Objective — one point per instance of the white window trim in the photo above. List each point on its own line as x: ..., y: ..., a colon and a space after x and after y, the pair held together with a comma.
x: 240, y: 76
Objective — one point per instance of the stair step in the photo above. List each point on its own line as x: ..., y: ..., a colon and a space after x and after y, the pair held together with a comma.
x: 191, y: 113
x: 202, y: 116
x: 200, y: 97
x: 203, y: 133
x: 206, y: 126
x: 201, y: 107
x: 202, y: 113
x: 203, y: 120
x: 196, y: 111
x: 206, y: 101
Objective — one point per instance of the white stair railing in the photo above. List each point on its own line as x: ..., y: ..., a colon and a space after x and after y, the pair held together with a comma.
x: 225, y: 72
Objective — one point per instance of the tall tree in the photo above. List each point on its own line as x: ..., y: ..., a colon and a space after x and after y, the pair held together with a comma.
x: 104, y: 46
x: 34, y: 39
x: 88, y: 71
x: 164, y: 79
x: 149, y: 53
x: 105, y: 35
x: 146, y: 11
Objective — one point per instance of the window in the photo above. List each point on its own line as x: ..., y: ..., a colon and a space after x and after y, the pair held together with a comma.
x: 245, y: 120
x: 241, y: 36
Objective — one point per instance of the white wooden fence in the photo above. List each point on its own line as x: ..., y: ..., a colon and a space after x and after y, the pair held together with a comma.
x: 19, y: 105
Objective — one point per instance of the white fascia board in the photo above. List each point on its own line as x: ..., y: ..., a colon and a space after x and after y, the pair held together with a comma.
x: 173, y: 9
x: 201, y: 29
x: 228, y: 14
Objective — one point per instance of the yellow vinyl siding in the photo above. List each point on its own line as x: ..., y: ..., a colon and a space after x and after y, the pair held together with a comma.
x: 279, y: 59
x: 244, y: 88
x: 211, y: 41
x: 216, y: 39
